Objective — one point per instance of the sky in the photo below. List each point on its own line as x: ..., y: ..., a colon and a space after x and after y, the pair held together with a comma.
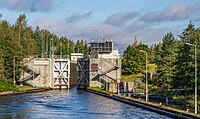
x: 119, y: 20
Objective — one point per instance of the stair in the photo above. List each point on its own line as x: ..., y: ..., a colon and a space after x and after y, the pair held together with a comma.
x: 30, y: 77
x: 109, y: 70
x: 32, y: 74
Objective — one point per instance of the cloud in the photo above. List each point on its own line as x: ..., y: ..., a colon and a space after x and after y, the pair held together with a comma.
x: 27, y: 5
x: 122, y: 36
x: 197, y: 19
x: 121, y: 18
x: 77, y: 16
x: 173, y: 12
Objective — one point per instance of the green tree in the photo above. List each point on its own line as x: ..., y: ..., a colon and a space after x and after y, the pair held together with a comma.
x: 1, y: 64
x: 82, y: 47
x: 158, y: 50
x: 134, y: 61
x: 166, y: 62
x: 24, y: 37
x: 152, y: 54
x: 37, y: 36
x: 184, y: 77
x: 9, y: 47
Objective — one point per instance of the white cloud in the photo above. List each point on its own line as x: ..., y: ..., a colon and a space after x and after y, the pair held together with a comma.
x: 77, y: 16
x: 175, y: 11
x: 121, y: 18
x: 27, y: 5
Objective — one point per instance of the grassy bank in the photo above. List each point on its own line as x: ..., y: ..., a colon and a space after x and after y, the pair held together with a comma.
x: 22, y: 88
x: 7, y: 86
x: 131, y: 78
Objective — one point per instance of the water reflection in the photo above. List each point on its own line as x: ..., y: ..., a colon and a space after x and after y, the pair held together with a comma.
x: 69, y: 105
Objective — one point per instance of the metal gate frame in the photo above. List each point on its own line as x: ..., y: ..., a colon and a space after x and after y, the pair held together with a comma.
x: 61, y: 73
x: 83, y: 72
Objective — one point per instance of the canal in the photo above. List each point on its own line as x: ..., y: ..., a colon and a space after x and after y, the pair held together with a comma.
x: 70, y: 104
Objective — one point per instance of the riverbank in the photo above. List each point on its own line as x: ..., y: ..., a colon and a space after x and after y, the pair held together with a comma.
x: 175, y: 113
x: 24, y: 91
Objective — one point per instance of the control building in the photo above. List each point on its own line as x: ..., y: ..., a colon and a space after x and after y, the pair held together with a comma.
x: 104, y: 66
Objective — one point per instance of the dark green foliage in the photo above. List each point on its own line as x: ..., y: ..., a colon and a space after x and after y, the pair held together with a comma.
x: 185, y: 63
x: 6, y: 86
x: 158, y: 51
x: 81, y: 47
x: 133, y: 60
x: 66, y: 46
x: 166, y: 61
x: 152, y: 54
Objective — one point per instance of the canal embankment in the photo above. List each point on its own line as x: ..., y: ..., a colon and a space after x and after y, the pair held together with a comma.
x: 24, y: 91
x: 156, y: 107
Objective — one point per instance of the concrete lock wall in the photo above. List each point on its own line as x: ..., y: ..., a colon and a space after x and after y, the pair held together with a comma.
x: 95, y: 81
x: 102, y: 72
x: 54, y: 73
x: 40, y: 66
x: 73, y: 73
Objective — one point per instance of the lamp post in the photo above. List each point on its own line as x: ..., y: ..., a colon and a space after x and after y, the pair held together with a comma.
x: 14, y: 80
x: 60, y: 49
x: 51, y: 48
x: 97, y: 33
x: 146, y: 76
x: 118, y: 80
x: 195, y: 76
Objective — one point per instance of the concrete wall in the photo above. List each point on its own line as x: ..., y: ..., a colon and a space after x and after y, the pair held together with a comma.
x: 73, y: 73
x: 75, y: 56
x: 103, y: 65
x: 127, y: 87
x: 43, y: 79
x: 95, y: 80
x: 53, y: 73
x: 113, y: 87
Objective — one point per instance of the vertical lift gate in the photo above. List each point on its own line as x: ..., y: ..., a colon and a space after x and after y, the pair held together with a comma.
x: 61, y: 73
x: 83, y: 73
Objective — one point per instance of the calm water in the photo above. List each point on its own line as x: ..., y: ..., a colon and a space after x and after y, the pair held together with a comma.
x: 69, y: 105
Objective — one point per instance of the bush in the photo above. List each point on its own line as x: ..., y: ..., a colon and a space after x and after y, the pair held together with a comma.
x: 6, y: 86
